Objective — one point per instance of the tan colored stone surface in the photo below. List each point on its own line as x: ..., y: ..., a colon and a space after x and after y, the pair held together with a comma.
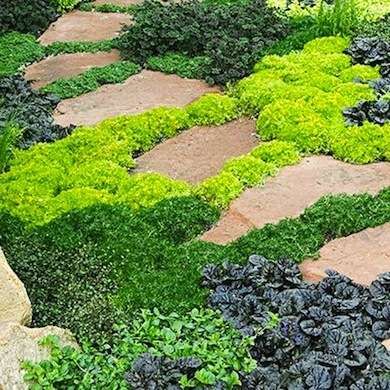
x: 386, y: 343
x: 85, y: 26
x: 65, y: 66
x: 118, y: 2
x: 14, y: 302
x: 17, y: 344
x: 361, y: 256
x: 200, y: 152
x: 294, y: 189
x: 138, y: 93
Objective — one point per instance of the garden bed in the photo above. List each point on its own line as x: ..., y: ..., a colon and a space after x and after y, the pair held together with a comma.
x: 166, y: 189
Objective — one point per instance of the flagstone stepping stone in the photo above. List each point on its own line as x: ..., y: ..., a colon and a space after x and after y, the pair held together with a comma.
x: 85, y: 26
x: 66, y: 66
x: 361, y: 256
x: 17, y: 344
x: 138, y: 93
x: 14, y: 302
x: 200, y: 152
x: 294, y: 189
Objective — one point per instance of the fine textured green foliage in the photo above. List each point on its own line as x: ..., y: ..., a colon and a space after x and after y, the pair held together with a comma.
x: 342, y: 17
x: 180, y: 64
x: 104, y: 256
x: 212, y: 109
x: 109, y: 7
x: 92, y: 79
x: 278, y: 153
x: 377, y: 28
x: 65, y: 5
x: 202, y: 334
x: 10, y: 134
x: 16, y: 50
x: 301, y: 96
x: 71, y: 47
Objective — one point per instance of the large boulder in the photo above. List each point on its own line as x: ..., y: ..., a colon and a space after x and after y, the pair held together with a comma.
x: 15, y: 305
x: 19, y: 343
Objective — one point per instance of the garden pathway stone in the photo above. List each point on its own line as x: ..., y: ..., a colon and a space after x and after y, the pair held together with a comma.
x: 361, y: 256
x: 292, y: 190
x: 18, y: 343
x: 138, y: 93
x: 85, y: 26
x: 200, y: 152
x: 14, y: 302
x: 65, y: 66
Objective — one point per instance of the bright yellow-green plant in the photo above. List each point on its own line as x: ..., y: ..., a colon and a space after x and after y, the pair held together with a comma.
x: 299, y: 98
x: 65, y: 5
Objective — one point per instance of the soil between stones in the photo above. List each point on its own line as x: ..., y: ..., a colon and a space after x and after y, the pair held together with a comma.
x: 200, y: 152
x: 294, y: 189
x: 67, y: 65
x: 85, y: 26
x: 138, y: 93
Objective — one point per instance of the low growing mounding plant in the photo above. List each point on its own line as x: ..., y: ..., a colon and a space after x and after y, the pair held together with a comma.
x: 229, y: 35
x: 32, y: 16
x: 301, y: 98
x: 198, y: 349
x: 9, y: 136
x: 16, y: 50
x: 30, y: 110
x: 65, y: 5
x: 328, y: 334
x: 70, y: 47
x: 192, y: 68
x: 92, y: 79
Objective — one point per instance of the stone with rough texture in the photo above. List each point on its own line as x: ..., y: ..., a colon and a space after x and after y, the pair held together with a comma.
x: 386, y: 343
x: 200, y: 152
x: 85, y: 26
x: 294, y: 189
x: 138, y: 93
x: 361, y: 256
x: 65, y: 66
x: 17, y: 344
x: 14, y: 302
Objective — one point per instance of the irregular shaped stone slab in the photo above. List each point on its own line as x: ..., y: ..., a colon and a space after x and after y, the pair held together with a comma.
x: 294, y: 189
x: 361, y: 256
x: 200, y: 152
x: 65, y: 66
x: 17, y: 344
x: 85, y: 26
x: 138, y: 93
x: 14, y: 302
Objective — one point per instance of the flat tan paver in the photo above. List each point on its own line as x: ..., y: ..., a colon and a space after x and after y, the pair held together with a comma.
x: 138, y: 93
x: 66, y: 66
x: 200, y: 152
x: 361, y: 256
x: 294, y: 189
x: 85, y: 26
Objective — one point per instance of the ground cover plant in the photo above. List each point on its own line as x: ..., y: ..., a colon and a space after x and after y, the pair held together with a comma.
x: 124, y: 262
x: 92, y: 79
x: 32, y: 16
x: 230, y: 35
x: 30, y: 110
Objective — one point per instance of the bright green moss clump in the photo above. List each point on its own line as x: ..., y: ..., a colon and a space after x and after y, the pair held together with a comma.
x: 299, y: 98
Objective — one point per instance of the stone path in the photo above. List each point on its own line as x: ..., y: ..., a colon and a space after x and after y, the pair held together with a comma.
x: 361, y: 256
x: 200, y: 152
x: 294, y: 189
x: 66, y: 66
x: 85, y: 26
x: 138, y: 93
